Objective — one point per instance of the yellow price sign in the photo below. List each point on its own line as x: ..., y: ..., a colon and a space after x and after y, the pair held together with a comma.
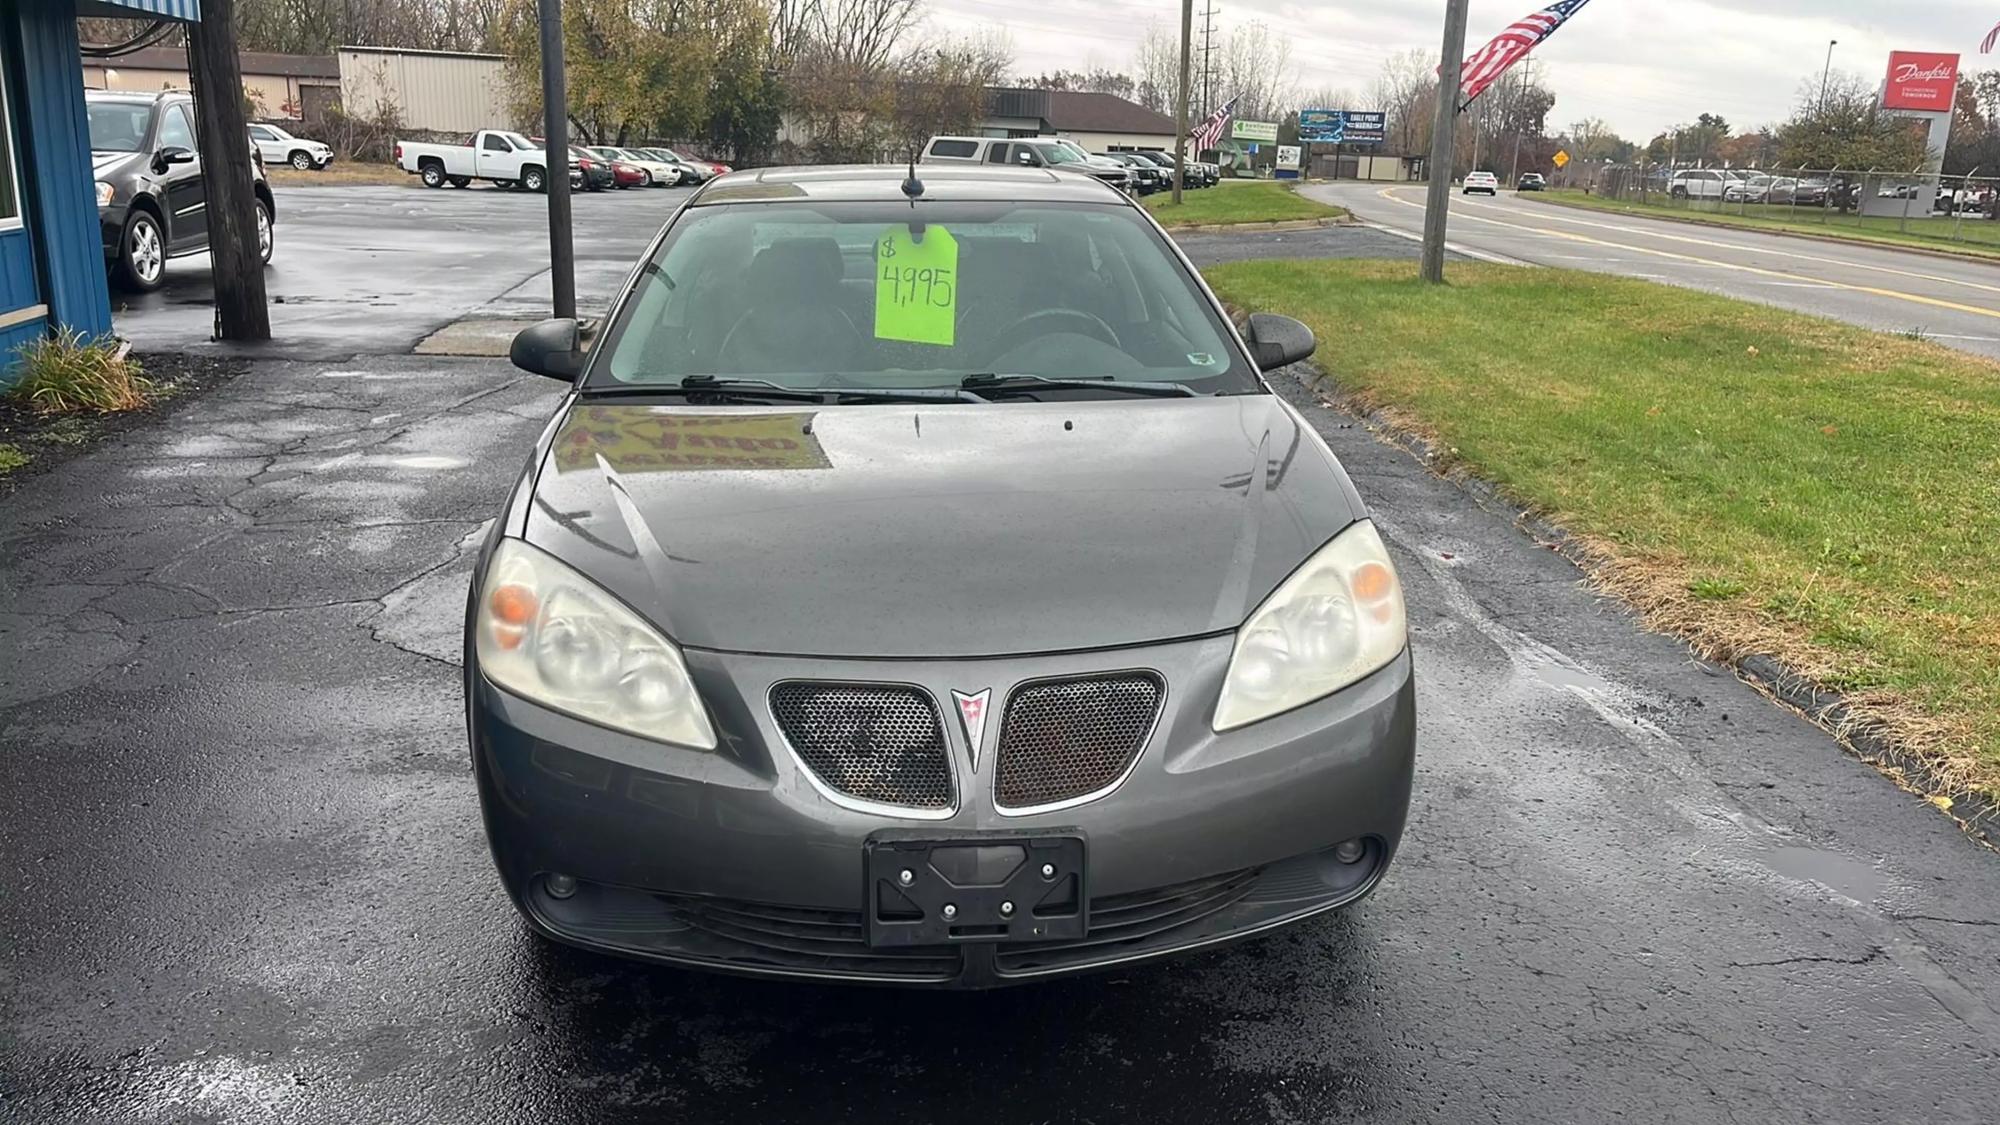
x: 1562, y: 158
x: 916, y: 286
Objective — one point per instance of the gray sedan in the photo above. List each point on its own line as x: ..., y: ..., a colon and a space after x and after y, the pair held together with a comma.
x: 920, y: 585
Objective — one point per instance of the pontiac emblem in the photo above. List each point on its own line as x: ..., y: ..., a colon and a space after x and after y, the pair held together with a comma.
x: 972, y: 719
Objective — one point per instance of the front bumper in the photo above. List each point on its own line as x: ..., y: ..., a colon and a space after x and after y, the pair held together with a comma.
x: 111, y: 226
x: 737, y: 861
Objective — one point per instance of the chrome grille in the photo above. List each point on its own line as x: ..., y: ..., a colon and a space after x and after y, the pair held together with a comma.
x: 1064, y: 739
x: 874, y: 742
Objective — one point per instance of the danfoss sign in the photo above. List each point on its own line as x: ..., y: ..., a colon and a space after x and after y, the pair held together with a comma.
x: 1921, y: 81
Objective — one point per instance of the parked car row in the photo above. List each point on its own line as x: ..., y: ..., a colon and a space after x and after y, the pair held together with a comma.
x: 152, y: 204
x: 509, y: 159
x: 1135, y: 173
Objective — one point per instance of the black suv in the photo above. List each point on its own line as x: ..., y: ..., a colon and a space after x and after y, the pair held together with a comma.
x: 151, y: 202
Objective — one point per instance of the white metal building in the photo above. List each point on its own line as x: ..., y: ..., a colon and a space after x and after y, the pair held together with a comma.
x: 445, y: 91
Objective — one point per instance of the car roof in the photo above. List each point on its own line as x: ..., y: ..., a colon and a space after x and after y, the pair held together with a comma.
x: 136, y: 97
x: 883, y: 183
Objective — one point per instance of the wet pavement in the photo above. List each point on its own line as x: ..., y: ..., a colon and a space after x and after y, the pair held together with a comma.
x: 247, y: 882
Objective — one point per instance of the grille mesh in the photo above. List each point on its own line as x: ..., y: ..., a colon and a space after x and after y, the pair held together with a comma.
x: 1067, y: 738
x: 875, y: 742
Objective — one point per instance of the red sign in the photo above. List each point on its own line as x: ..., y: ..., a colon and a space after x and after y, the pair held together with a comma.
x: 1921, y: 81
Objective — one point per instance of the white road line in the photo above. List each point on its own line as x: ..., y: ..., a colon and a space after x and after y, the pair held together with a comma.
x: 1476, y: 255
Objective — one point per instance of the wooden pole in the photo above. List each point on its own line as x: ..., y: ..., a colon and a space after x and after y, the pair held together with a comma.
x: 555, y: 136
x: 222, y: 137
x: 1438, y: 200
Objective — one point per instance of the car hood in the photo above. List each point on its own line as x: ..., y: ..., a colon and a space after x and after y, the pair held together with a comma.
x: 948, y: 531
x: 103, y: 163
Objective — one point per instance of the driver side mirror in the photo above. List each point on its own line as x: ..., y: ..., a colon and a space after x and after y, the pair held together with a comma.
x: 1028, y: 159
x: 170, y: 155
x: 549, y: 348
x: 1277, y: 341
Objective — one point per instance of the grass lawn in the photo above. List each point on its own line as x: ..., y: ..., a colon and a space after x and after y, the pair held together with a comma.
x: 340, y: 173
x: 1974, y: 237
x: 1237, y: 201
x: 1753, y: 479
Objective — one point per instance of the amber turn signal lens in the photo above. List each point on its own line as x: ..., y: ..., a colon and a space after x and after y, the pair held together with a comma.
x: 513, y: 605
x: 1372, y: 582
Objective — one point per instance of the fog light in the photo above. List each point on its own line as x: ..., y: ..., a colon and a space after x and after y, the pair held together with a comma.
x: 1349, y: 851
x: 560, y: 886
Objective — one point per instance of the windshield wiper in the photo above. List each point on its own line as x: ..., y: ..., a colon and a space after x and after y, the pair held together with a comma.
x: 988, y: 383
x: 755, y: 389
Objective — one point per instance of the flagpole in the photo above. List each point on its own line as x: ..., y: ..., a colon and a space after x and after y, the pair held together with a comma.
x: 1438, y: 201
x: 1181, y: 102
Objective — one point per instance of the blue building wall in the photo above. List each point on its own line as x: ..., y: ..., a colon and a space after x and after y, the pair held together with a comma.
x: 57, y: 257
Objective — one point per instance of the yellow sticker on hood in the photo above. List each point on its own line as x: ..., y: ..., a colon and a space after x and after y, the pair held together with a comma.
x: 916, y: 285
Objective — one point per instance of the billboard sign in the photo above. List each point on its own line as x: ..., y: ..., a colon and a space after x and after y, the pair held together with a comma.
x: 1921, y: 81
x: 1342, y: 126
x: 1288, y: 156
x: 1254, y: 131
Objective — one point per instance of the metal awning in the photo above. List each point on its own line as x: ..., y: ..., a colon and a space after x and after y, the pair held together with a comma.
x: 189, y: 10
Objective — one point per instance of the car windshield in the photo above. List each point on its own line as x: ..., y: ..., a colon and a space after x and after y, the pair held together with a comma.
x: 1055, y: 153
x: 812, y: 296
x: 119, y: 126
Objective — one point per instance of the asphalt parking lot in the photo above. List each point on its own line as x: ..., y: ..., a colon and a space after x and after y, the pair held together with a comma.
x: 249, y: 881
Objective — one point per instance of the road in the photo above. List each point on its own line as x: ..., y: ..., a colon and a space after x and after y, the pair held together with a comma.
x: 247, y: 882
x: 1953, y: 301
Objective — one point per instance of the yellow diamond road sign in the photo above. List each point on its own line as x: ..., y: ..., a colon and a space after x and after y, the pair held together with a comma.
x: 1562, y: 158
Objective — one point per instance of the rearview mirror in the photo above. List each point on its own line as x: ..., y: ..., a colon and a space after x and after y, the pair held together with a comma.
x: 1277, y: 341
x: 549, y: 348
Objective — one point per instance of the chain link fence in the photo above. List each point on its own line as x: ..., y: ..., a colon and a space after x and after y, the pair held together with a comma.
x: 1963, y: 209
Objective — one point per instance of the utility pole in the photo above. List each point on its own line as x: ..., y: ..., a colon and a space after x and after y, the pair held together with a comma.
x: 1520, y: 92
x: 1181, y: 99
x: 1207, y: 65
x: 1437, y: 201
x: 1826, y: 73
x: 235, y: 244
x: 555, y: 131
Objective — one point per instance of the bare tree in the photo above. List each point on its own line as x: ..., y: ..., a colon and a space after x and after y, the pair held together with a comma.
x: 1256, y: 70
x: 1157, y: 67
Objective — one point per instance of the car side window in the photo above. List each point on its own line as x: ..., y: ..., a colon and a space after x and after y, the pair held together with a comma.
x: 998, y: 154
x: 175, y: 132
x: 956, y: 149
x: 258, y: 132
x: 496, y: 143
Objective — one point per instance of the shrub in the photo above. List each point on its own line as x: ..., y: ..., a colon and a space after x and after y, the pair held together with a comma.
x: 67, y: 373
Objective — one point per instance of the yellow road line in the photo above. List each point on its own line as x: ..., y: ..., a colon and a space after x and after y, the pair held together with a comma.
x: 1915, y: 298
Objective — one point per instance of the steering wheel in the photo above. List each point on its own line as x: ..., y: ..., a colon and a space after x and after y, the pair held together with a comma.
x: 1091, y: 324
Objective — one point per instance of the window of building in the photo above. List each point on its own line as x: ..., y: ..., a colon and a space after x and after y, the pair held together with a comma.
x: 10, y: 189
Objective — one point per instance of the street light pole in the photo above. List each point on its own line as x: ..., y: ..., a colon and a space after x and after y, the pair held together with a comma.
x: 1437, y: 200
x: 555, y: 134
x: 1181, y: 102
x: 1826, y: 73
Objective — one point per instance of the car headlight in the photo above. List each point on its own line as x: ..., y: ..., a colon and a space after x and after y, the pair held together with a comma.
x: 105, y: 194
x: 548, y: 634
x: 1338, y: 618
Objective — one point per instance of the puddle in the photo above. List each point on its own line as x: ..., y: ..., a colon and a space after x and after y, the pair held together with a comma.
x: 429, y: 461
x: 1849, y: 878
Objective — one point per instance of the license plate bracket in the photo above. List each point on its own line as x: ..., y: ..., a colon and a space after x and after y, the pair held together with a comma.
x: 929, y: 889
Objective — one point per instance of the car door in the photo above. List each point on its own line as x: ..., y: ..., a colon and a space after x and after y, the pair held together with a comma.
x: 496, y: 158
x: 186, y: 196
x: 267, y: 143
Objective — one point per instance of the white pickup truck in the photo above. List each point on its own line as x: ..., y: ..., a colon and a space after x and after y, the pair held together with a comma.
x: 503, y: 157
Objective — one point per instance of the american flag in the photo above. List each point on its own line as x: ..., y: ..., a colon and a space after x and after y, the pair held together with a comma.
x: 1208, y: 134
x: 1992, y: 37
x: 1511, y: 46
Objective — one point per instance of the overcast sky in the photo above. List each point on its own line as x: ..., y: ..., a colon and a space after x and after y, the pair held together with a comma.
x: 1642, y: 65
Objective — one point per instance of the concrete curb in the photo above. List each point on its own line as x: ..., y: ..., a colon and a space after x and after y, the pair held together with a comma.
x: 1283, y: 224
x: 1977, y: 814
x: 1808, y: 236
